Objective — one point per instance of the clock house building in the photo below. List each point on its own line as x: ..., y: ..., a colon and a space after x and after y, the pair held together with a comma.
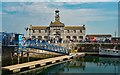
x: 58, y: 30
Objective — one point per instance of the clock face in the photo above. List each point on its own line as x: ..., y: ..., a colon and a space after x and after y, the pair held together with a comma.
x: 57, y: 16
x: 57, y: 19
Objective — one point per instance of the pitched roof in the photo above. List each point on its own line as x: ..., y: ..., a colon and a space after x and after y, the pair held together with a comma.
x: 74, y: 27
x: 56, y: 23
x: 38, y: 27
x: 99, y: 35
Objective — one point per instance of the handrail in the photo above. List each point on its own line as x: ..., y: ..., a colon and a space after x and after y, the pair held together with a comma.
x: 44, y: 46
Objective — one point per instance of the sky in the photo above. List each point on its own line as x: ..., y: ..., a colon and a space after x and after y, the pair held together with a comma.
x: 98, y: 17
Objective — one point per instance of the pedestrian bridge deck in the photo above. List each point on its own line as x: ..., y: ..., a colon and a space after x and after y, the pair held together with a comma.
x: 39, y: 63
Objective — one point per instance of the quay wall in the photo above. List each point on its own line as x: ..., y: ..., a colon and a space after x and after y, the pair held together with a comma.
x: 82, y: 47
x: 35, y: 54
x: 90, y: 47
x: 94, y: 47
x: 6, y: 52
x: 6, y: 55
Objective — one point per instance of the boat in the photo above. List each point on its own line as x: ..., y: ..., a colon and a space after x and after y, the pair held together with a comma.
x: 109, y: 52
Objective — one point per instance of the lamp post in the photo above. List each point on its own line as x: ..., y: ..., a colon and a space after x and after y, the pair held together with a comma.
x: 26, y: 29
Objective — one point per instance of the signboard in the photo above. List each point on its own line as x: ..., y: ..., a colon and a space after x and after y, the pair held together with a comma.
x: 20, y: 39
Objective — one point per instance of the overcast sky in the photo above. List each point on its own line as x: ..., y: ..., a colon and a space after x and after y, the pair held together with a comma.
x: 98, y: 17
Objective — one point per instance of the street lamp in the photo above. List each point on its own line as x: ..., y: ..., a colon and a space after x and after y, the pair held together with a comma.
x: 26, y: 30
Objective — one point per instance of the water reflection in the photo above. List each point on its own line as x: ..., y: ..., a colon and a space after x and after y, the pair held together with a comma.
x: 86, y: 64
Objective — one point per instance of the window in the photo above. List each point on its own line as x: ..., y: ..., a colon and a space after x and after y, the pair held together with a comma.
x: 113, y: 51
x: 74, y: 31
x: 56, y: 29
x: 45, y: 31
x: 39, y: 37
x: 46, y: 37
x: 81, y: 37
x: 68, y: 31
x: 68, y: 37
x: 80, y: 31
x: 74, y: 37
x: 33, y: 37
x: 39, y: 31
x: 42, y: 31
x: 33, y: 31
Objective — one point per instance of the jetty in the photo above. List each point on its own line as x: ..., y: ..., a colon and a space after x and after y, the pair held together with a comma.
x: 40, y: 63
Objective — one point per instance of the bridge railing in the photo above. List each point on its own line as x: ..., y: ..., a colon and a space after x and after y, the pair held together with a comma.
x: 44, y: 46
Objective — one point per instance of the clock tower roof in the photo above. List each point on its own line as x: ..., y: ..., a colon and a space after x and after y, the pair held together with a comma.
x: 57, y: 20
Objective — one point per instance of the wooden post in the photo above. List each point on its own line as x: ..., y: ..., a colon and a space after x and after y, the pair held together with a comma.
x: 18, y: 58
x: 22, y: 56
x: 12, y: 57
x: 28, y: 55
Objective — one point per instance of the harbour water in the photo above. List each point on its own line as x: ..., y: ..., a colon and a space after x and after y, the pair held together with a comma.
x: 87, y: 64
x: 79, y: 65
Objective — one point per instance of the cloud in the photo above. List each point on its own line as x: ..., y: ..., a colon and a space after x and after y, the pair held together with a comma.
x: 31, y: 9
x: 14, y: 9
x: 1, y: 13
x: 60, y: 0
x: 83, y: 16
x: 85, y: 0
x: 40, y: 13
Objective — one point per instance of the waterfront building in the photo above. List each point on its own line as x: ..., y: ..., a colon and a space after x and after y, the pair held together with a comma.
x: 57, y: 31
x: 99, y: 37
x: 8, y: 38
x: 115, y: 39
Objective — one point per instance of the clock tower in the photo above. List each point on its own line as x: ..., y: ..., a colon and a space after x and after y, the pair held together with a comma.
x: 57, y: 17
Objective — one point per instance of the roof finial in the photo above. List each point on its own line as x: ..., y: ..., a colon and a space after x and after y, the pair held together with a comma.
x: 57, y: 10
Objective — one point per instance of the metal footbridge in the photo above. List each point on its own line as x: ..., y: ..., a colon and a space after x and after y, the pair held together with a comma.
x: 42, y: 45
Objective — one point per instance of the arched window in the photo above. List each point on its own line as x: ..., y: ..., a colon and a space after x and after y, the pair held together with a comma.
x: 33, y: 37
x: 45, y: 31
x: 74, y: 37
x: 39, y: 31
x: 68, y: 31
x: 33, y: 31
x: 46, y: 37
x: 40, y: 37
x: 74, y: 31
x: 80, y: 31
x: 68, y: 37
x: 81, y: 37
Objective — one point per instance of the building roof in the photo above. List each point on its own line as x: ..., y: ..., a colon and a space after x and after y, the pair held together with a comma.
x: 56, y: 23
x: 115, y: 37
x: 99, y: 35
x: 38, y: 27
x: 74, y: 28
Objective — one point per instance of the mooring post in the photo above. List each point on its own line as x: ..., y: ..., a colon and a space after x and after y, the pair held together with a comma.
x: 28, y: 55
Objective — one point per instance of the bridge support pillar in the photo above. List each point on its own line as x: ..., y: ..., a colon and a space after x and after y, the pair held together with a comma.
x: 22, y: 56
x: 18, y: 59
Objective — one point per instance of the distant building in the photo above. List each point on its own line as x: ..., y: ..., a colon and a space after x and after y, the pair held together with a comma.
x: 99, y: 37
x: 8, y: 38
x: 57, y: 30
x: 115, y: 40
